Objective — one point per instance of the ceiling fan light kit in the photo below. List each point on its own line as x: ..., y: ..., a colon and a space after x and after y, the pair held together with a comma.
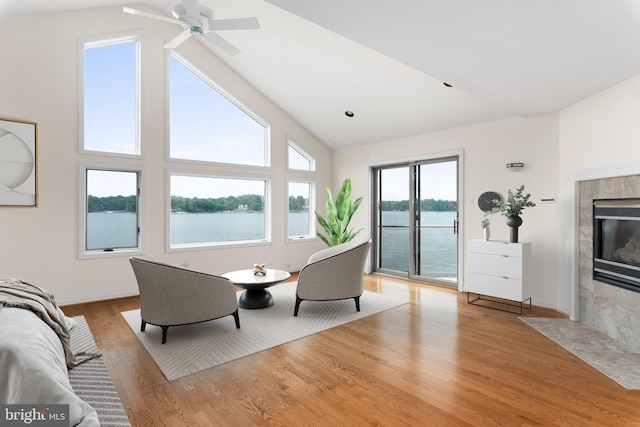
x: 199, y: 21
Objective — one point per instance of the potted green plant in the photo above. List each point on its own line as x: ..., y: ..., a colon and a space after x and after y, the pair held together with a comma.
x: 339, y: 214
x: 512, y: 208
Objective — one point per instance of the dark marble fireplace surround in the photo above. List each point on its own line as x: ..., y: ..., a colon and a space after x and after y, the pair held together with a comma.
x: 603, y: 307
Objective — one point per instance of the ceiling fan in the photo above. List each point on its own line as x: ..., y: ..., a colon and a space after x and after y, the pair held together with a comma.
x: 199, y: 20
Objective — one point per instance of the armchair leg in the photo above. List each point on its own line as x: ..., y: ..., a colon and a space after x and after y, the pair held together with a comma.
x: 236, y: 317
x: 164, y: 333
x: 143, y: 325
x: 357, y: 299
x: 295, y: 311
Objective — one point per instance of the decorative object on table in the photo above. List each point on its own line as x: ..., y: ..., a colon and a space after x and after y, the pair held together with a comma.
x: 339, y: 214
x: 512, y: 208
x: 259, y: 269
x: 487, y: 204
x: 485, y: 228
x: 18, y: 169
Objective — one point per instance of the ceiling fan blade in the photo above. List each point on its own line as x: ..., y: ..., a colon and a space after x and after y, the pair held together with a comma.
x: 151, y: 15
x: 221, y: 43
x: 192, y: 9
x: 235, y: 24
x: 177, y: 40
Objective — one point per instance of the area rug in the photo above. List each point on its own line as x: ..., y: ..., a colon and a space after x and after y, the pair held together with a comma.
x: 91, y: 380
x: 611, y: 357
x: 192, y: 348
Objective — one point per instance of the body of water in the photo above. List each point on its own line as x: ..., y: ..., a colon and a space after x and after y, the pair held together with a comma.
x: 438, y: 246
x: 118, y: 229
x: 438, y: 249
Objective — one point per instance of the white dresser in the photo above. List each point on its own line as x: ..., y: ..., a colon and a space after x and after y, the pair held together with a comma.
x: 499, y: 269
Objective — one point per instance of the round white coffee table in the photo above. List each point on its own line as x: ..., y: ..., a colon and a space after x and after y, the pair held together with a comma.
x: 256, y: 294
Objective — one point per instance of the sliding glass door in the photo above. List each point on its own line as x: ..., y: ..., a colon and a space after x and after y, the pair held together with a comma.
x: 416, y: 220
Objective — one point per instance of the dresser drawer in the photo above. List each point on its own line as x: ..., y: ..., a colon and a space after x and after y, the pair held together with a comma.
x: 495, y: 286
x: 494, y: 247
x: 495, y: 265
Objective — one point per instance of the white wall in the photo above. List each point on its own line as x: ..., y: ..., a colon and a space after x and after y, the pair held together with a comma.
x: 487, y: 148
x: 39, y: 82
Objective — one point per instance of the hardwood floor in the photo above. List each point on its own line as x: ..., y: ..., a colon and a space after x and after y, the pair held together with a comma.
x: 436, y: 361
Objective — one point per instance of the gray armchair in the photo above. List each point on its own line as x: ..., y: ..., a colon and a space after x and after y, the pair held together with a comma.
x: 172, y: 296
x: 333, y: 273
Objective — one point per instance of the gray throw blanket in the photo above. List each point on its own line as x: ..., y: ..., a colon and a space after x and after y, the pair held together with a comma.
x: 16, y: 293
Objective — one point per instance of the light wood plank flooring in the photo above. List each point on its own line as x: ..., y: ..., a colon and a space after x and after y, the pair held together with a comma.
x: 437, y: 361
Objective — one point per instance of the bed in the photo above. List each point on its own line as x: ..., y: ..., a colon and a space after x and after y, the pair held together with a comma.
x: 34, y: 363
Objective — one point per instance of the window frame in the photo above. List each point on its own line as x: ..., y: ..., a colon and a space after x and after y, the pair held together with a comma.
x: 218, y: 88
x: 83, y: 253
x: 291, y: 143
x: 108, y: 40
x: 312, y: 208
x: 267, y: 207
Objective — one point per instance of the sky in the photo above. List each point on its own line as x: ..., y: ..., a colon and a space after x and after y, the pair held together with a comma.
x: 204, y: 124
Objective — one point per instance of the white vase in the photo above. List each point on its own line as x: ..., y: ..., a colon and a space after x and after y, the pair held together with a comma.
x: 486, y: 232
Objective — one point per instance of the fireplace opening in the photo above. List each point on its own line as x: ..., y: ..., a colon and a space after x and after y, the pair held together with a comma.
x: 616, y: 242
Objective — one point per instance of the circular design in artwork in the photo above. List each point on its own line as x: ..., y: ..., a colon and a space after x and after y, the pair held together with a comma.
x: 17, y: 162
x: 486, y: 200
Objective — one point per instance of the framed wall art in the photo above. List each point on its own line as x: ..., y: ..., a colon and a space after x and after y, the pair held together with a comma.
x: 18, y: 163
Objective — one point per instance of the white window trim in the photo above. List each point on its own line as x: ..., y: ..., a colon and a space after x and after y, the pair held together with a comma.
x: 230, y: 98
x: 268, y: 204
x: 82, y: 218
x: 312, y: 216
x: 91, y: 42
x: 312, y: 161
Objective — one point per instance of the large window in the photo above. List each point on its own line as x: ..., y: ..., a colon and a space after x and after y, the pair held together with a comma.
x: 300, y: 218
x: 110, y: 89
x: 207, y: 126
x: 110, y: 210
x: 208, y: 210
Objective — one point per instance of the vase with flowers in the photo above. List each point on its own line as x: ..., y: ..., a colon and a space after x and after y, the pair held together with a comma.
x: 512, y: 208
x: 485, y: 223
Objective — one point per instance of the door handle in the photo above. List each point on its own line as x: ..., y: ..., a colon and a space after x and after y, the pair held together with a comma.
x: 455, y: 226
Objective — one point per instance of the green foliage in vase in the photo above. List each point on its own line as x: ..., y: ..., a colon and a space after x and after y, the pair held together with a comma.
x: 485, y: 223
x: 339, y: 214
x: 515, y: 203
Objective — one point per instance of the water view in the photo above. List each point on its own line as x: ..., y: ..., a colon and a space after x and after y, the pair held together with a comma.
x: 438, y: 255
x: 438, y: 248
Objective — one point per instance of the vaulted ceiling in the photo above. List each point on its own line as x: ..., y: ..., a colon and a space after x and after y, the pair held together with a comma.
x: 387, y: 61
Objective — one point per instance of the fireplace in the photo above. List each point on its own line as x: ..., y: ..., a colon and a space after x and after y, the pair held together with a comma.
x: 616, y: 242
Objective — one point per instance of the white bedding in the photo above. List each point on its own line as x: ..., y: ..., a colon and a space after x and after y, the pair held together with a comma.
x: 33, y: 367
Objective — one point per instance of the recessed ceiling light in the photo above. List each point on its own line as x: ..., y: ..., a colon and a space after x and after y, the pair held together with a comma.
x: 349, y: 113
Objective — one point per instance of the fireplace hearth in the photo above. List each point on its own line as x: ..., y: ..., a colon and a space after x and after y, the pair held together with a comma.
x: 616, y: 242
